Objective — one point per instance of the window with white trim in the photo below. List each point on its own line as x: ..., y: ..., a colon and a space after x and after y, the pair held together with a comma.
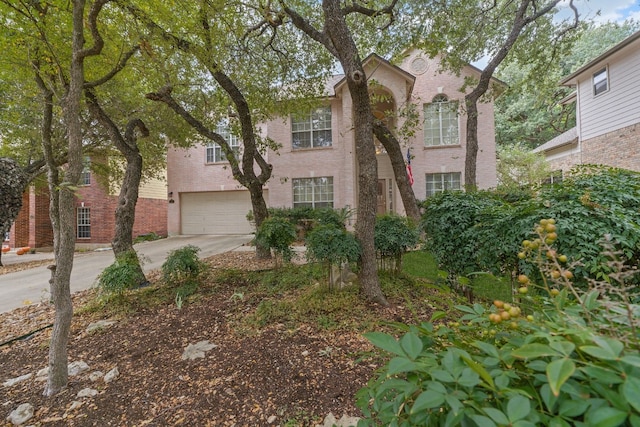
x: 554, y: 178
x: 313, y: 192
x: 215, y: 154
x: 441, y: 122
x: 440, y: 182
x: 85, y: 176
x: 83, y: 219
x: 600, y: 81
x: 312, y: 130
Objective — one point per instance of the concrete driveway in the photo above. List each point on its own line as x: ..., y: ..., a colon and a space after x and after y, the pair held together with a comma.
x: 32, y: 286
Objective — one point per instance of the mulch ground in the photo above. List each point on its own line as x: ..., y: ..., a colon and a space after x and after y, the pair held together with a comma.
x: 273, y: 376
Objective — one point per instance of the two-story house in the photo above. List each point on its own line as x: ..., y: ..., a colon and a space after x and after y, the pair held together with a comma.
x: 607, y: 90
x: 316, y: 164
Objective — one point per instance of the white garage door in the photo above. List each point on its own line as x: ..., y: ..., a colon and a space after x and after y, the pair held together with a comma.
x: 220, y: 212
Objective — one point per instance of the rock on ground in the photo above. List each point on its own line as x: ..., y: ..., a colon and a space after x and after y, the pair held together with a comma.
x: 21, y: 414
x: 194, y: 351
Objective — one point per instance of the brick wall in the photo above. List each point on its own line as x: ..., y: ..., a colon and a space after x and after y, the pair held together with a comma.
x: 620, y: 148
x: 19, y: 235
x: 151, y: 215
x: 33, y: 226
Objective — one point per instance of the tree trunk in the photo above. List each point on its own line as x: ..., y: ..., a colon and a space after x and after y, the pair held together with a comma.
x: 63, y: 212
x: 471, y: 158
x: 126, y: 209
x: 392, y: 146
x: 260, y: 213
x: 347, y: 53
x: 125, y: 214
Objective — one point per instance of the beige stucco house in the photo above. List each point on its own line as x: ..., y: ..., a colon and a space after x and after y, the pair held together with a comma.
x: 316, y: 164
x: 607, y: 112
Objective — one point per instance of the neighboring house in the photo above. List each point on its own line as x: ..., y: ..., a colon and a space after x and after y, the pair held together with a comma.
x: 607, y: 112
x: 316, y: 164
x: 95, y: 214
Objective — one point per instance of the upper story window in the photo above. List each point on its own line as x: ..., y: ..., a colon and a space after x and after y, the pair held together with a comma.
x: 214, y: 151
x: 441, y: 122
x: 312, y: 130
x: 313, y: 192
x: 440, y: 182
x: 85, y: 176
x: 600, y: 81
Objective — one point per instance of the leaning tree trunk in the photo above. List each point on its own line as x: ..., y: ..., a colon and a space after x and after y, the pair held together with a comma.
x: 127, y: 145
x: 392, y: 146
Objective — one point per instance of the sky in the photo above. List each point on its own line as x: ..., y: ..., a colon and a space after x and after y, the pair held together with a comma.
x: 610, y: 10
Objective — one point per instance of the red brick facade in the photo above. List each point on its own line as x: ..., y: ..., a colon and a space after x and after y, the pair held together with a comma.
x: 33, y: 228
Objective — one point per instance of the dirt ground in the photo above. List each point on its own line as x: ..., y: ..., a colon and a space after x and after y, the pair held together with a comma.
x: 276, y: 376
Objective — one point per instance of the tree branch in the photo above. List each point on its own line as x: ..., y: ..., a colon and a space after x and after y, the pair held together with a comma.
x: 118, y: 67
x: 164, y: 95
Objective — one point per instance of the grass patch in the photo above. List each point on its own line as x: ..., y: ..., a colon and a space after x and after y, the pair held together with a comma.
x: 486, y: 286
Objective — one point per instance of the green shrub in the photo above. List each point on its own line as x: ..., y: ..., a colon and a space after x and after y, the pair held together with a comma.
x: 277, y: 234
x: 573, y: 361
x: 471, y: 232
x: 393, y: 236
x: 123, y: 274
x: 331, y: 245
x: 182, y: 266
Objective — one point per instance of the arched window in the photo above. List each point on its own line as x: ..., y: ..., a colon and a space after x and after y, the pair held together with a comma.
x: 441, y: 122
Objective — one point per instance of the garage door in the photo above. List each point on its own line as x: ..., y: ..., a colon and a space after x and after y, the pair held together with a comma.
x: 220, y: 212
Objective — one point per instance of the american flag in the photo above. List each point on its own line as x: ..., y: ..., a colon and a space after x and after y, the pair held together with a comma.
x: 409, y: 171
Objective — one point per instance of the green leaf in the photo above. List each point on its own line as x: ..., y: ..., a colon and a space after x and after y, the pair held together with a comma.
x: 479, y: 369
x: 482, y: 421
x: 441, y: 375
x: 437, y: 315
x: 573, y: 408
x: 454, y: 403
x: 465, y: 309
x: 385, y: 342
x: 412, y: 345
x: 603, y: 375
x: 534, y: 350
x: 591, y: 300
x: 599, y: 352
x: 634, y: 420
x: 496, y: 415
x: 631, y: 360
x: 400, y: 364
x: 469, y: 378
x: 489, y: 349
x: 631, y: 391
x: 428, y: 399
x: 518, y: 408
x: 606, y: 417
x: 558, y: 372
x: 564, y: 347
x: 548, y: 397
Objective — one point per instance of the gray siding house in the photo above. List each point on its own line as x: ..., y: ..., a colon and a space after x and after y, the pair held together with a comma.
x: 607, y: 101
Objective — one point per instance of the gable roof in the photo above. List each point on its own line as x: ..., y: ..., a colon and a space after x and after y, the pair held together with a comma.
x: 571, y: 79
x: 377, y: 60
